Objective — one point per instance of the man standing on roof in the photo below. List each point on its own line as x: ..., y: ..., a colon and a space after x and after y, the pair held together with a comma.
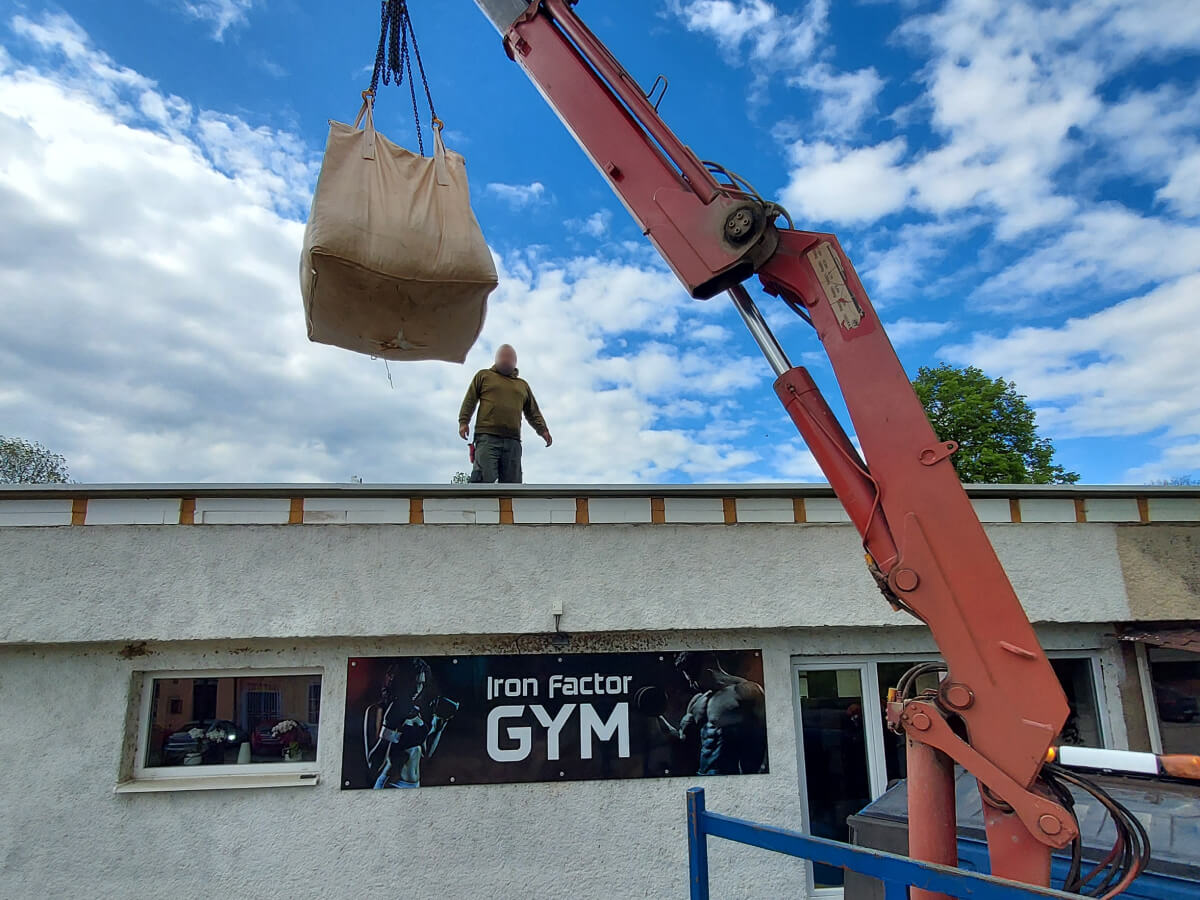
x: 502, y: 399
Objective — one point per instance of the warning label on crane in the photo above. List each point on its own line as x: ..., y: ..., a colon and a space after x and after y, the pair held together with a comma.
x: 829, y: 272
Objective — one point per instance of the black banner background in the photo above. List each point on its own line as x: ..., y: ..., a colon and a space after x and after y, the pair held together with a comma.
x: 433, y: 743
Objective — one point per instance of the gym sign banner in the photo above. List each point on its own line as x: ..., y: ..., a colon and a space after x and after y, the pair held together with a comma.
x: 438, y: 720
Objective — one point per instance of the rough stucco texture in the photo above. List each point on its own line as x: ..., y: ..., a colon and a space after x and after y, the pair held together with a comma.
x: 64, y: 585
x: 1162, y: 570
x: 64, y: 832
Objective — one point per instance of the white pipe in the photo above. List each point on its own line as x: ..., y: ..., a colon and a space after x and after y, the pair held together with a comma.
x: 1111, y: 760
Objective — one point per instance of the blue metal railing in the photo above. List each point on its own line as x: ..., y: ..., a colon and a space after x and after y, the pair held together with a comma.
x: 898, y: 873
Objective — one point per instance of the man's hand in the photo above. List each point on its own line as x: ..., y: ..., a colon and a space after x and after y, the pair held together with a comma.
x: 464, y: 431
x: 549, y: 440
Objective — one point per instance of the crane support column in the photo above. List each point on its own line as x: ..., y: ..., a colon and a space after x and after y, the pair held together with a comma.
x: 1011, y: 852
x: 932, y: 819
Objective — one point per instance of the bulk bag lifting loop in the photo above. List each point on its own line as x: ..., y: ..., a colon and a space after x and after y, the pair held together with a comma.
x: 367, y: 111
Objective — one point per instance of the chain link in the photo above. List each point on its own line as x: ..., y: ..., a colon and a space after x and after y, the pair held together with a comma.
x: 394, y: 55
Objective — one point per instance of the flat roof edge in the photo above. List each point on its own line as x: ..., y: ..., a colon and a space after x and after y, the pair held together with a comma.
x: 781, y: 489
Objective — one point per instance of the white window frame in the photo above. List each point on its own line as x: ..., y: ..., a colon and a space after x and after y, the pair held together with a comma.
x: 867, y: 666
x: 1101, y: 695
x: 1145, y: 668
x: 876, y: 769
x: 1149, y: 701
x: 169, y: 778
x: 320, y: 696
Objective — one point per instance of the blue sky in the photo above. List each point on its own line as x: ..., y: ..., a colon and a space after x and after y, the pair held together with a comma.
x: 1018, y: 184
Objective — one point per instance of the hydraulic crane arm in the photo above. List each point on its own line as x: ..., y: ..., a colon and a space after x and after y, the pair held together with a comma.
x: 1000, y: 708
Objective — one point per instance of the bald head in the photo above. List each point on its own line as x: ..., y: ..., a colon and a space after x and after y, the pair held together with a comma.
x: 506, y: 359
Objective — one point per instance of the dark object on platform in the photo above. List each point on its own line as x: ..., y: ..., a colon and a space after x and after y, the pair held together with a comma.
x: 1170, y: 812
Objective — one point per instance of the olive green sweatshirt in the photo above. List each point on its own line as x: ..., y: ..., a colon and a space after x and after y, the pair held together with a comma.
x: 501, y: 399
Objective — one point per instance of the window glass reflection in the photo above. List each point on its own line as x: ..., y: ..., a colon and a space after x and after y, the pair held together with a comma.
x: 228, y: 720
x: 1175, y: 676
x: 835, y: 756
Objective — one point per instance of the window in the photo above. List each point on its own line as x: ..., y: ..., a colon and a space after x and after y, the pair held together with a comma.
x: 850, y: 757
x: 1175, y: 678
x: 314, y: 703
x: 227, y: 724
x: 1078, y: 683
x: 204, y: 698
x: 262, y: 705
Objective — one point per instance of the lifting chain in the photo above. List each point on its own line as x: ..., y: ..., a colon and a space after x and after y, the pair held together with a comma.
x: 394, y: 56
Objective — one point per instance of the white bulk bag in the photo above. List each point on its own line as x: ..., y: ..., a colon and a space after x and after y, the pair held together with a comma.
x: 394, y: 263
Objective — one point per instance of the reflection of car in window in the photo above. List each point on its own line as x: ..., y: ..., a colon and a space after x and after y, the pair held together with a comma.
x: 1174, y: 705
x: 182, y: 742
x: 265, y: 742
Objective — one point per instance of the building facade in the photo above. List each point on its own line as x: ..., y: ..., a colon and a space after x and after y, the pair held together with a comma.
x: 200, y: 684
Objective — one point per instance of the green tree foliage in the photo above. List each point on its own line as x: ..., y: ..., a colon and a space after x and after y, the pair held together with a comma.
x: 460, y: 478
x: 28, y: 462
x: 994, y: 426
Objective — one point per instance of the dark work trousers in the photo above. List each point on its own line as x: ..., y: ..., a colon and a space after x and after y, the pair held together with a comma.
x: 496, y: 459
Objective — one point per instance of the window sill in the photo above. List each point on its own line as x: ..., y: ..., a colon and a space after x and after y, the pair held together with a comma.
x: 216, y: 782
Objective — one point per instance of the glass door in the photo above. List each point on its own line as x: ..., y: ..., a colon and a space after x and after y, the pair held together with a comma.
x: 835, y: 753
x: 847, y: 756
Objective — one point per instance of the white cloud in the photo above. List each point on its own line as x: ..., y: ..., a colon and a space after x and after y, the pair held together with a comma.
x: 150, y: 321
x: 858, y: 185
x: 759, y: 34
x: 82, y: 67
x: 272, y: 68
x: 757, y: 28
x: 1109, y: 247
x: 914, y: 331
x: 221, y: 14
x: 845, y: 98
x: 276, y: 168
x: 1023, y: 125
x: 596, y: 225
x: 710, y: 334
x: 1128, y: 369
x: 791, y: 462
x: 1182, y: 189
x: 1152, y: 137
x: 1178, y: 460
x: 1013, y: 95
x: 518, y: 196
x: 895, y: 261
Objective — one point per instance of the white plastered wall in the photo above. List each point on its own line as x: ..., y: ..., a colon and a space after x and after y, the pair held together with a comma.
x: 136, y: 582
x: 66, y: 711
x: 220, y: 596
